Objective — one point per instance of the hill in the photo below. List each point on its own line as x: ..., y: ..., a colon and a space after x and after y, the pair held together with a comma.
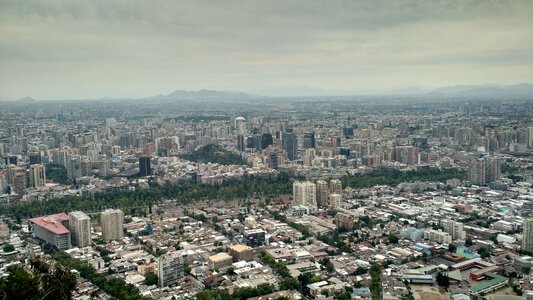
x: 214, y: 154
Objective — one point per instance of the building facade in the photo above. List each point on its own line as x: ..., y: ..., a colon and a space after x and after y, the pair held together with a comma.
x: 80, y: 229
x: 112, y: 221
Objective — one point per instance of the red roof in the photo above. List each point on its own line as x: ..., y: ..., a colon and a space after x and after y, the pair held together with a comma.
x: 60, y: 217
x: 52, y: 223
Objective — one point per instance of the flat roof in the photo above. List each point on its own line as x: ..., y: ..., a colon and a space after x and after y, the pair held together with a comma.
x: 496, y: 279
x: 219, y: 256
x: 240, y: 248
x: 485, y: 270
x: 466, y: 262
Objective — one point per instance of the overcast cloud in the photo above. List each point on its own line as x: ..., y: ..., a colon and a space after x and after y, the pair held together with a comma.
x: 54, y: 49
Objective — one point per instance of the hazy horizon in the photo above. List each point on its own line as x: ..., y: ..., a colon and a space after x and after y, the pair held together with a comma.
x: 135, y: 49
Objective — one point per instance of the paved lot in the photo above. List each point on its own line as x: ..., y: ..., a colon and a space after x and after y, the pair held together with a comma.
x: 428, y: 292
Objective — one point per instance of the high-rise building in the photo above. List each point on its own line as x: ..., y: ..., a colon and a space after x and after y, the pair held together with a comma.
x: 530, y: 136
x: 335, y: 201
x: 273, y: 160
x: 170, y: 269
x: 112, y: 221
x: 240, y: 125
x: 484, y: 170
x: 454, y: 228
x: 347, y: 132
x: 309, y: 140
x: 335, y: 186
x: 256, y: 141
x: 493, y: 172
x: 527, y: 241
x: 34, y: 157
x: 304, y: 194
x: 476, y: 171
x: 20, y: 180
x: 290, y: 144
x: 73, y: 168
x: 322, y: 193
x: 37, y: 176
x: 266, y: 140
x: 86, y: 167
x: 144, y: 166
x: 335, y: 141
x: 241, y: 145
x: 80, y: 229
x: 104, y: 167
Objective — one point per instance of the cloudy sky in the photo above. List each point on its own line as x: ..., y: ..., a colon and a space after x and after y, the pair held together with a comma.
x: 55, y: 49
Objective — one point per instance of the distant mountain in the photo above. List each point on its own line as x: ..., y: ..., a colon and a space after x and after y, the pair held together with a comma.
x: 203, y: 95
x: 482, y: 91
x: 26, y: 100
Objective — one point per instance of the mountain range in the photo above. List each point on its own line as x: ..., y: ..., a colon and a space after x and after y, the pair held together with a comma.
x: 522, y: 90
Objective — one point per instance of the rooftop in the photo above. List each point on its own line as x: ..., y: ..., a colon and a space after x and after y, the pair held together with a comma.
x: 496, y: 279
x: 52, y: 223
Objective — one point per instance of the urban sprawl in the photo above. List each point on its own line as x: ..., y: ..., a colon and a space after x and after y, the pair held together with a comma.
x: 297, y: 198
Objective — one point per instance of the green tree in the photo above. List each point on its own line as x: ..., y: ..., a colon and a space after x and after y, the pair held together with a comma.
x: 484, y: 252
x: 443, y: 280
x: 151, y: 279
x: 45, y: 281
x: 9, y: 248
x: 452, y: 248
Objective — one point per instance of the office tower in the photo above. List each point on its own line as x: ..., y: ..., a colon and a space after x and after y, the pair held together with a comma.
x: 454, y: 228
x: 527, y: 241
x: 335, y: 201
x: 322, y: 193
x: 335, y: 142
x: 273, y: 160
x: 241, y: 145
x: 80, y: 229
x: 170, y: 269
x: 254, y: 237
x: 290, y: 144
x: 309, y: 140
x: 112, y: 221
x: 11, y: 160
x: 256, y: 141
x: 347, y: 132
x: 34, y: 157
x: 37, y: 176
x: 304, y: 194
x: 144, y: 166
x: 345, y: 151
x: 266, y: 140
x: 240, y: 125
x: 335, y: 186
